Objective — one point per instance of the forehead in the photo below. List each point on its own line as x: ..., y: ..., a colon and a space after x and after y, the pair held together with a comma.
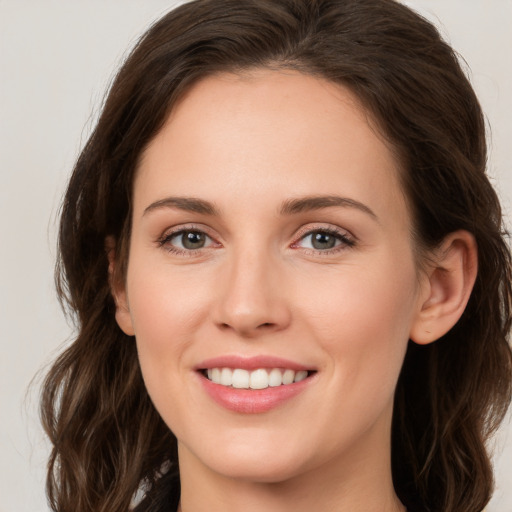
x: 266, y: 134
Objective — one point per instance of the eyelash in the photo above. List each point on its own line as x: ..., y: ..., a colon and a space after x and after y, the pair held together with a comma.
x: 164, y: 240
x: 347, y: 240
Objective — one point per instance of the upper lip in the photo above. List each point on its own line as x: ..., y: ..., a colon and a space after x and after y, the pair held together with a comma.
x: 251, y: 363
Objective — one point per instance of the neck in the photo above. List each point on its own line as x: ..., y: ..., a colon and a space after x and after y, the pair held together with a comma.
x: 287, y: 496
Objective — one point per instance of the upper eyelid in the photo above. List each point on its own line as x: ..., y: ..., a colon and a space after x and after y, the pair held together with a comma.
x: 175, y: 230
x: 329, y: 228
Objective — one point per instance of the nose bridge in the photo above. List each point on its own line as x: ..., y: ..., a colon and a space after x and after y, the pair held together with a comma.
x: 252, y: 300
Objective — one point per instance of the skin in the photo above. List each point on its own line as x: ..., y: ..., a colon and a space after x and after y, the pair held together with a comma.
x: 247, y: 144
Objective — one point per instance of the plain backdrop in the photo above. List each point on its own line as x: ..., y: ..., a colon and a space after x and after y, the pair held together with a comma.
x: 56, y: 59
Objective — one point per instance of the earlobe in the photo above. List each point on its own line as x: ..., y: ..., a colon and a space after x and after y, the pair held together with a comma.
x: 118, y: 291
x: 124, y: 319
x: 450, y: 281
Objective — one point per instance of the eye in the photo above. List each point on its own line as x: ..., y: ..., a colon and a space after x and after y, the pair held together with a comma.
x: 189, y: 240
x: 320, y: 240
x: 325, y: 240
x: 186, y: 240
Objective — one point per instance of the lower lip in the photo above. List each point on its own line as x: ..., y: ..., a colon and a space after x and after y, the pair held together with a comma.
x: 253, y: 401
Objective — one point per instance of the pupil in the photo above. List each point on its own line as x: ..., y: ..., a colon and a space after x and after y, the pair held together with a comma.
x: 193, y: 240
x: 323, y: 241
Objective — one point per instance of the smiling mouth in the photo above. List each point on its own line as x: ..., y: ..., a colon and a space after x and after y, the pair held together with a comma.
x: 261, y: 378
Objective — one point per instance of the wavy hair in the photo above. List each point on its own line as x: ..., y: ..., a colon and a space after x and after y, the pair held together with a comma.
x: 108, y: 440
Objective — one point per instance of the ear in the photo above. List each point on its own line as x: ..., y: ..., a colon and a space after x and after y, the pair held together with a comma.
x: 447, y: 287
x: 118, y: 290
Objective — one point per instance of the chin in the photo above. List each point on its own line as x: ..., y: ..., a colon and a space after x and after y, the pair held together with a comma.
x: 254, y: 460
x: 274, y: 471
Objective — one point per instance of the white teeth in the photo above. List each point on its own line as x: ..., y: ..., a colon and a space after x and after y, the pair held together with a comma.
x: 288, y: 376
x: 275, y: 378
x: 257, y: 379
x: 301, y: 375
x: 240, y: 379
x: 226, y: 377
x: 215, y: 376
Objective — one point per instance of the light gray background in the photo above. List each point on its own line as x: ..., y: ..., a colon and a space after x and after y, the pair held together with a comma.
x: 56, y: 59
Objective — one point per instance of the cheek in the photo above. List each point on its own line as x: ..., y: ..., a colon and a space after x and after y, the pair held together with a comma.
x: 362, y: 325
x: 363, y: 319
x: 166, y: 311
x: 165, y: 305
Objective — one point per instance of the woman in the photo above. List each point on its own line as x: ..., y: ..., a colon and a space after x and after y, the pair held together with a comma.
x: 288, y: 271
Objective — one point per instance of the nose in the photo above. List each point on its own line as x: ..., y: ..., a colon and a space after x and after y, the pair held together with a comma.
x: 252, y: 297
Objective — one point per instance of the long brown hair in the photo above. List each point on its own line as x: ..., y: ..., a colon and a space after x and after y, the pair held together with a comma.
x: 108, y: 440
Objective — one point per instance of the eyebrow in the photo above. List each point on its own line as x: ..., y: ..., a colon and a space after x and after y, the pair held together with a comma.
x: 188, y: 204
x: 288, y: 207
x: 309, y: 203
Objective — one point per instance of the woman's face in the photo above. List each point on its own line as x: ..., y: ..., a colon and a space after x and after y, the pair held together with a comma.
x: 271, y: 243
